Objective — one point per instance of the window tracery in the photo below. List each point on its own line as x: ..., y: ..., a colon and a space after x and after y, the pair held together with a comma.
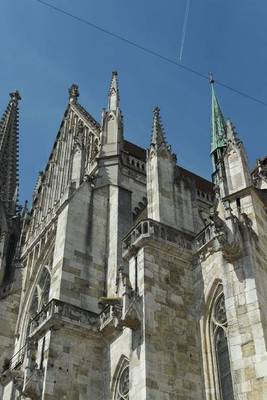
x: 44, y: 288
x: 41, y: 293
x: 221, y: 350
x: 122, y: 384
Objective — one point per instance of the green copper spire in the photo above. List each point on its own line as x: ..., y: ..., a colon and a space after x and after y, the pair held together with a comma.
x: 218, y: 138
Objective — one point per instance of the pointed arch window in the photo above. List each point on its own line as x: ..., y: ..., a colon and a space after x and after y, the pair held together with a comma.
x: 44, y: 287
x: 221, y: 349
x: 122, y: 382
x: 41, y: 292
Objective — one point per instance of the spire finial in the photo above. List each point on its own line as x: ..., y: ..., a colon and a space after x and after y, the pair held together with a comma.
x: 211, y: 79
x: 15, y: 96
x: 156, y: 111
x: 73, y: 93
x: 114, y: 94
x: 158, y: 135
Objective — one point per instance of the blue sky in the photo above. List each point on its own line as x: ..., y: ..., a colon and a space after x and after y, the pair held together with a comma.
x: 43, y: 53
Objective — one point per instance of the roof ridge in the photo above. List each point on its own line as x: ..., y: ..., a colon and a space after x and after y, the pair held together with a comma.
x: 86, y: 114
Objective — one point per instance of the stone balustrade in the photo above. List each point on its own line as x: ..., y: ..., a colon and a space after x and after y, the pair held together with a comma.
x: 134, y: 162
x: 110, y: 316
x: 59, y: 310
x: 204, y: 237
x: 150, y: 229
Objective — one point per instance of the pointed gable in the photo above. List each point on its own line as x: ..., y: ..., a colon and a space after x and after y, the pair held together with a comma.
x: 77, y: 128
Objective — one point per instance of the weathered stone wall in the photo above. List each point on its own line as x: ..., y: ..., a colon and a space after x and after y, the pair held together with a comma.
x: 172, y: 357
x: 136, y: 183
x: 244, y: 282
x: 75, y: 367
x: 80, y: 249
x: 184, y: 207
x: 9, y: 307
x: 119, y: 223
x: 261, y: 261
x: 118, y: 349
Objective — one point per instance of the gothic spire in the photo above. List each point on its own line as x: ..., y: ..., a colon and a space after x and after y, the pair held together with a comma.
x: 114, y: 94
x: 9, y: 136
x: 218, y: 133
x: 158, y: 135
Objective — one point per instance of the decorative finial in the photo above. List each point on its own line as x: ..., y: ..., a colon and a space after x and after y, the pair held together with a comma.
x: 211, y: 78
x: 114, y: 83
x: 114, y: 93
x: 73, y: 92
x: 156, y: 111
x: 15, y: 96
x: 158, y: 136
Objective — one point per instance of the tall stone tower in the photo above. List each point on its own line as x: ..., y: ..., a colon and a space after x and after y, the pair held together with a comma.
x: 141, y: 280
x: 231, y: 275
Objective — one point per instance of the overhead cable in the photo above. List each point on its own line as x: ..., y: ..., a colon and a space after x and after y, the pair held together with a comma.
x: 149, y: 51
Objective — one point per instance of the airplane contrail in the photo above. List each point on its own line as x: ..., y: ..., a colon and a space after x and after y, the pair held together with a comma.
x: 184, y: 29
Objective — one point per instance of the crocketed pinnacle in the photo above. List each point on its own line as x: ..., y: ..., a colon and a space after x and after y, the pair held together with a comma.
x: 114, y: 93
x: 158, y: 135
x: 9, y: 137
x: 218, y: 134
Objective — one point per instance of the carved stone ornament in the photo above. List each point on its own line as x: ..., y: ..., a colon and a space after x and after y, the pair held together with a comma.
x: 217, y: 236
x: 131, y: 318
x: 74, y: 92
x: 79, y: 135
x: 232, y: 252
x: 219, y: 313
x: 231, y: 242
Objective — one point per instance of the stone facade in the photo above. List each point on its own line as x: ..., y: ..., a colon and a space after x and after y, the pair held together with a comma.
x: 132, y: 277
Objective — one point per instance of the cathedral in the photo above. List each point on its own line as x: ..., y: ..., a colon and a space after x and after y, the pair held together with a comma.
x: 130, y: 277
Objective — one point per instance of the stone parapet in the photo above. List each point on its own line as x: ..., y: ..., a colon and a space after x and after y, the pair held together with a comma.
x: 57, y: 311
x: 204, y: 237
x: 149, y: 229
x: 110, y: 318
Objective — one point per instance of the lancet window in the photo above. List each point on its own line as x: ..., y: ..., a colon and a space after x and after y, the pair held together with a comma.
x: 122, y: 383
x: 221, y: 348
x: 41, y: 292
